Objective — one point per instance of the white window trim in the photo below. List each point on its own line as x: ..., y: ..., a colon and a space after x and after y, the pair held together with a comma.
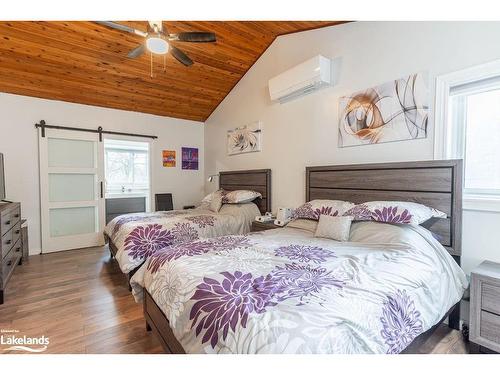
x: 150, y: 198
x: 442, y: 129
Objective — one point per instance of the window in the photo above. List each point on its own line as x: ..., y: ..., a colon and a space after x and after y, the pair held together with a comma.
x: 126, y: 167
x: 468, y: 127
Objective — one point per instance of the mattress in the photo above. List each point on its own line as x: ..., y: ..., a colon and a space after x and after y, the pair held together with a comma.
x: 138, y: 236
x: 285, y: 291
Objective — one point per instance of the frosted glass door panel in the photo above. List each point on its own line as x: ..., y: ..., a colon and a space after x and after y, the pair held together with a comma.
x: 71, y: 187
x: 72, y: 221
x: 71, y: 153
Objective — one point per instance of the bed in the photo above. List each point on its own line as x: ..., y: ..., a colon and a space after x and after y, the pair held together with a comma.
x: 285, y: 291
x: 132, y: 238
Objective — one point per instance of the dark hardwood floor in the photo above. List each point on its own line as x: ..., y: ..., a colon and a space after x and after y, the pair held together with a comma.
x: 80, y: 301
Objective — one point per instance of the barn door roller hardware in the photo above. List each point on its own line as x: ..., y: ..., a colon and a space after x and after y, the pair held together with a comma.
x: 43, y: 125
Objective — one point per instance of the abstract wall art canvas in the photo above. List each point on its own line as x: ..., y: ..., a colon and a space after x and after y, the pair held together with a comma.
x: 189, y: 158
x: 394, y: 111
x: 245, y: 139
x: 168, y: 158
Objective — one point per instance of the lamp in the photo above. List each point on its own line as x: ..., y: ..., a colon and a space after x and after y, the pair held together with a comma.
x: 211, y: 177
x: 157, y: 44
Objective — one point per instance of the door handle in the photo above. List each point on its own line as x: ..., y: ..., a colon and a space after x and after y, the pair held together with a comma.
x: 102, y: 189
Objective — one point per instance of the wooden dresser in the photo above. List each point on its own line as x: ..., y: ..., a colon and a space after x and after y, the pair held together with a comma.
x: 485, y: 308
x: 10, y: 245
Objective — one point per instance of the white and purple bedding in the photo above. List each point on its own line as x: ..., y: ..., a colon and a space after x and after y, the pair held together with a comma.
x: 285, y: 291
x: 138, y: 236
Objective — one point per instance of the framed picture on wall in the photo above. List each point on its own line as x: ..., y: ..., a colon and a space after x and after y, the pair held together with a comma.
x: 394, y: 111
x: 189, y: 158
x: 245, y: 139
x: 168, y: 157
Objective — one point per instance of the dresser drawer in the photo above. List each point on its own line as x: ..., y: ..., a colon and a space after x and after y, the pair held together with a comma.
x: 10, y: 238
x: 490, y: 298
x: 10, y: 261
x: 9, y: 218
x: 490, y: 326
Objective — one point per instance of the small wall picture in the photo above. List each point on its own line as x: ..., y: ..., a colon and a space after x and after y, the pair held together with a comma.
x: 394, y: 111
x: 245, y: 139
x: 168, y: 158
x: 189, y: 158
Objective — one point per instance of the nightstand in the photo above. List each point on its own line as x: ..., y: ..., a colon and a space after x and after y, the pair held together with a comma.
x: 258, y: 226
x: 485, y: 308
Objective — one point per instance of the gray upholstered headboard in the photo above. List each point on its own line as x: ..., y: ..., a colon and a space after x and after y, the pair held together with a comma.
x: 254, y: 179
x: 436, y: 183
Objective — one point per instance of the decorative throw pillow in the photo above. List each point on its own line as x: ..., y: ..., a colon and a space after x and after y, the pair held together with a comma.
x: 216, y: 202
x: 205, y: 202
x: 239, y: 196
x: 208, y: 198
x: 317, y: 207
x: 334, y: 227
x: 394, y: 212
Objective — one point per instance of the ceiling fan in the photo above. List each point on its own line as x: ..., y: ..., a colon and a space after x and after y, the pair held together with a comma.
x: 157, y: 40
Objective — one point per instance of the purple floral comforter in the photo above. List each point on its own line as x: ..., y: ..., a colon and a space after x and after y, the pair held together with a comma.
x: 138, y: 236
x: 285, y: 291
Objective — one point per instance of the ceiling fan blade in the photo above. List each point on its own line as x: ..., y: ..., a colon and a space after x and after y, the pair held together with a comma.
x: 136, y: 52
x: 180, y: 56
x: 195, y: 36
x: 120, y: 27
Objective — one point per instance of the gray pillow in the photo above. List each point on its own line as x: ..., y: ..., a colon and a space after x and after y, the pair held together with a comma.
x: 334, y: 227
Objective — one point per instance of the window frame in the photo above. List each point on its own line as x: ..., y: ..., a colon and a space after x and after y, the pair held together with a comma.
x: 449, y: 144
x: 136, y: 188
x: 152, y: 177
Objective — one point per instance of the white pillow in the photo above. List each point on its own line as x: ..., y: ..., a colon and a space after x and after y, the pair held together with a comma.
x: 208, y: 198
x: 334, y: 227
x: 239, y: 196
x: 394, y: 212
x: 216, y: 202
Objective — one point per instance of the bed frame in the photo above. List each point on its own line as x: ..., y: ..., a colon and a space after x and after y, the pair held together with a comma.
x: 253, y: 179
x: 436, y: 184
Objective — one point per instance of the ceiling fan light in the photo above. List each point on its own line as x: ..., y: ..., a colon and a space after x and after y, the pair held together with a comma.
x: 157, y: 45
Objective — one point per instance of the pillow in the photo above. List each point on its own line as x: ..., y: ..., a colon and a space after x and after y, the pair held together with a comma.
x: 239, y: 196
x: 305, y: 224
x: 313, y: 209
x: 334, y: 227
x: 394, y: 212
x: 216, y: 202
x: 208, y: 197
x: 205, y: 202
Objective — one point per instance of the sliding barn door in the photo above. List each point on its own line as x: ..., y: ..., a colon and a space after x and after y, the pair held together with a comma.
x: 71, y: 190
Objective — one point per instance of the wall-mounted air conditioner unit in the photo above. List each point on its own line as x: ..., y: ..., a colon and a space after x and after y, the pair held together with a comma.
x: 302, y: 79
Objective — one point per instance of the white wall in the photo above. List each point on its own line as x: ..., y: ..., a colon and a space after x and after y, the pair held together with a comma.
x: 19, y: 143
x: 303, y: 132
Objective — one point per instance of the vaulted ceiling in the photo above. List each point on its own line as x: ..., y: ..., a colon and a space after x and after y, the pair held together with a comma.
x: 83, y: 62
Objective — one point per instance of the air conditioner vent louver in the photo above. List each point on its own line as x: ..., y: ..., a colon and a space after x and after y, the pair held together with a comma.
x: 300, y: 80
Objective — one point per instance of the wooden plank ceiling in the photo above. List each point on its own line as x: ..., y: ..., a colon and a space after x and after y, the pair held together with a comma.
x: 83, y: 62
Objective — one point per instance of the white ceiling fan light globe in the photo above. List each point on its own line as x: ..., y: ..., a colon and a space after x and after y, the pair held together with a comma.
x: 157, y: 45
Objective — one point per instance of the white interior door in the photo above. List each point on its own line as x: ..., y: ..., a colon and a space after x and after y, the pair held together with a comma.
x: 71, y: 191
